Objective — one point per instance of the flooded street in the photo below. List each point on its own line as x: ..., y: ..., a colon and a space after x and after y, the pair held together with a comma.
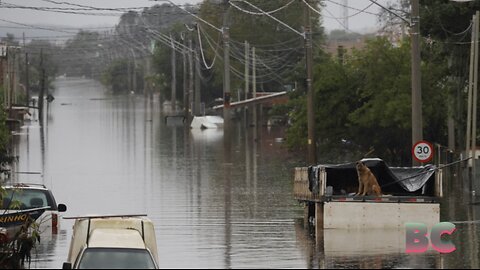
x: 102, y: 154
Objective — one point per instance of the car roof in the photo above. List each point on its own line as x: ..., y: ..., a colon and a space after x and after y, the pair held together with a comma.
x: 116, y: 238
x: 26, y: 186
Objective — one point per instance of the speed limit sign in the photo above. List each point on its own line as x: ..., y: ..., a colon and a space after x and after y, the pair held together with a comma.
x: 422, y: 151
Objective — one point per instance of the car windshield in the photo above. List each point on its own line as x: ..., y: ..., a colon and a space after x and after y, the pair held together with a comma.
x: 116, y: 258
x: 26, y: 199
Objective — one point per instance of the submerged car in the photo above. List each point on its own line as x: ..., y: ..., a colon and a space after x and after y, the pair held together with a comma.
x: 112, y: 242
x: 34, y: 196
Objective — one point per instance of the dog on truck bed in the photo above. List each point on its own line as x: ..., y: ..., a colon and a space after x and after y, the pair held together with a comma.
x: 367, y: 182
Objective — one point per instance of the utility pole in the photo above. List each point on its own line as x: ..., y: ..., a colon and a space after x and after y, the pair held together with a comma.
x: 227, y: 125
x: 417, y: 121
x: 198, y: 83
x: 307, y: 36
x: 345, y: 14
x: 190, y: 80
x: 185, y: 78
x: 129, y: 76
x: 174, y: 77
x: 475, y: 92
x: 254, y: 92
x: 247, y: 80
x: 226, y: 72
x: 42, y: 90
x: 470, y: 90
x: 16, y: 77
x: 312, y: 141
x: 27, y: 79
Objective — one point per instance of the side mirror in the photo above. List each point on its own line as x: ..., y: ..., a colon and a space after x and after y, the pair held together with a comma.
x: 67, y: 265
x: 62, y: 208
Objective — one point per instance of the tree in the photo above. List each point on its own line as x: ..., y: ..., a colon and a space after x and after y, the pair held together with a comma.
x: 279, y: 50
x: 364, y: 102
x: 445, y: 27
x: 116, y: 76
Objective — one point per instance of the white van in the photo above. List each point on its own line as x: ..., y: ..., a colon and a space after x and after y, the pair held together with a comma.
x: 112, y: 242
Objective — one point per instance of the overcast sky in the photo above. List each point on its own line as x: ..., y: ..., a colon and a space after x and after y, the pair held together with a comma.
x: 357, y: 23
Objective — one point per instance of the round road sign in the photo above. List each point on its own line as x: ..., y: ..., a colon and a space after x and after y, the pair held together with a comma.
x: 422, y: 151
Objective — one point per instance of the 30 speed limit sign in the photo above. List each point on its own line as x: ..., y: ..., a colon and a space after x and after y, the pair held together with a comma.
x: 422, y: 151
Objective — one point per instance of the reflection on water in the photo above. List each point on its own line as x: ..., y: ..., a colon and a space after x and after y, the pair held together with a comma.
x: 213, y: 206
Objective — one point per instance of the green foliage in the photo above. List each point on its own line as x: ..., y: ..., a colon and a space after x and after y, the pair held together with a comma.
x: 261, y: 32
x: 41, y: 55
x: 365, y: 103
x: 342, y: 35
x: 446, y: 25
x: 162, y: 61
x: 116, y: 76
x: 83, y: 53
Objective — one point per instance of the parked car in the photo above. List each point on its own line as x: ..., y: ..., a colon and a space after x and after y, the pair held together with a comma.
x: 112, y: 242
x: 33, y: 196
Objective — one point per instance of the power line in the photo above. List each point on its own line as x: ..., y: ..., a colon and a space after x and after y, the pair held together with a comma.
x: 263, y: 13
x: 201, y: 50
x: 353, y: 8
x: 195, y: 16
x: 36, y: 27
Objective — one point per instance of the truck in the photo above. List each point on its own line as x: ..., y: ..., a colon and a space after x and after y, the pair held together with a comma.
x: 409, y: 194
x: 107, y: 242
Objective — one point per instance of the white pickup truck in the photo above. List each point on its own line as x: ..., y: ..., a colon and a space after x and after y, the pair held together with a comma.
x: 112, y: 242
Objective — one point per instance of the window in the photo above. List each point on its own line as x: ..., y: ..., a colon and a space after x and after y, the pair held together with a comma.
x: 27, y: 199
x: 116, y: 258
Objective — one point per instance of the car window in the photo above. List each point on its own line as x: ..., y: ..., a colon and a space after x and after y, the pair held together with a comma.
x: 27, y: 198
x: 116, y: 258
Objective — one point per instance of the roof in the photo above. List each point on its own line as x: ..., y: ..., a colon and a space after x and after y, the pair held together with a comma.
x: 26, y: 186
x: 116, y: 238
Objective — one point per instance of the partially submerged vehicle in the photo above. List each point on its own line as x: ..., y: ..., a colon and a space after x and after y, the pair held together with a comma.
x: 37, y: 201
x: 207, y: 122
x: 112, y: 242
x: 410, y: 194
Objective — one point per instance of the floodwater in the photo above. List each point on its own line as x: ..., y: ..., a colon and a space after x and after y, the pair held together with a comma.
x: 103, y: 154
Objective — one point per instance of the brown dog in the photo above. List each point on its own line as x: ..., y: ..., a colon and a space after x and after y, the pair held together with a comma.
x: 367, y: 182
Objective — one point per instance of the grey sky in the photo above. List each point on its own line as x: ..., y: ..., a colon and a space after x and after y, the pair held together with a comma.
x: 359, y: 22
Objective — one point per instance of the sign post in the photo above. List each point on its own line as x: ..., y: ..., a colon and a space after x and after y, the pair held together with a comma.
x: 422, y: 151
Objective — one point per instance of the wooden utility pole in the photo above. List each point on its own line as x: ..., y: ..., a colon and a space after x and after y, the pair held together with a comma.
x: 312, y: 140
x: 417, y: 122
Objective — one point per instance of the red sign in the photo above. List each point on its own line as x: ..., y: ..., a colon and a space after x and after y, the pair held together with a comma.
x: 422, y: 151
